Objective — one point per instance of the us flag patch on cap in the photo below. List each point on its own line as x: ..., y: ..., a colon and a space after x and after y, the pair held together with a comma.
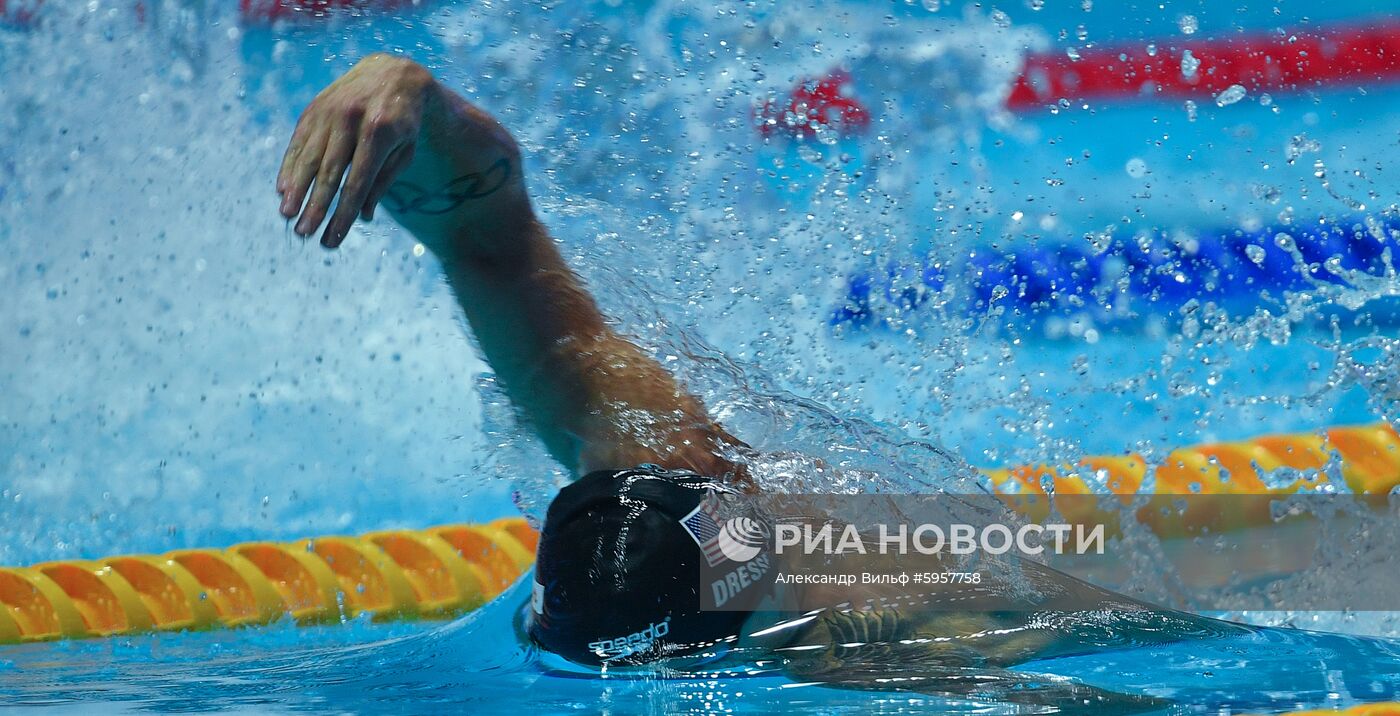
x: 703, y: 525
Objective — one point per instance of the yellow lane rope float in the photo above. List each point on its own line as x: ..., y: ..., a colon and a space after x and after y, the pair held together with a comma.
x: 1186, y: 486
x: 432, y: 573
x: 1391, y: 708
x: 1368, y: 458
x: 445, y: 571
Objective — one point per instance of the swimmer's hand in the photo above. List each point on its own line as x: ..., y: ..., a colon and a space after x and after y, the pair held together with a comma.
x: 370, y: 129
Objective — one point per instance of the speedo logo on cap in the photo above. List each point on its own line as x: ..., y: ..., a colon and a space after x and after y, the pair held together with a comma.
x: 640, y: 641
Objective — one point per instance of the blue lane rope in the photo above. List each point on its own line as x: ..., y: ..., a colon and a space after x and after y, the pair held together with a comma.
x: 1133, y: 276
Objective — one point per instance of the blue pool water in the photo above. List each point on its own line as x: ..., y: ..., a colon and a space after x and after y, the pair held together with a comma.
x: 179, y: 370
x: 477, y: 664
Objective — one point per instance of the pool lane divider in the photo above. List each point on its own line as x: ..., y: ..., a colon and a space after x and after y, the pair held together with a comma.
x: 1343, y: 54
x: 25, y: 14
x: 1350, y: 54
x: 441, y: 572
x: 1368, y: 458
x: 266, y: 11
x: 1387, y: 708
x: 1183, y: 491
x: 1129, y: 276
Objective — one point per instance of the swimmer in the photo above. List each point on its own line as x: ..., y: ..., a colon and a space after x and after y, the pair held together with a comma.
x: 616, y: 573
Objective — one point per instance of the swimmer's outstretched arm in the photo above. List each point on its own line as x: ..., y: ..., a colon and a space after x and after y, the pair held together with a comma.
x: 451, y: 174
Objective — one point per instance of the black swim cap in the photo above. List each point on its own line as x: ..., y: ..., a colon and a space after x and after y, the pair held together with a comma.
x: 622, y: 563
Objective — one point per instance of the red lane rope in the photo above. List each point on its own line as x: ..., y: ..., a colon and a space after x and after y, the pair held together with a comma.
x: 270, y: 10
x: 825, y: 102
x: 1350, y: 53
x: 1356, y: 53
x: 19, y: 13
x: 24, y: 13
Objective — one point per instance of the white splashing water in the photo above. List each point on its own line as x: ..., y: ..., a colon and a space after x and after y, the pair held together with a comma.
x: 176, y: 356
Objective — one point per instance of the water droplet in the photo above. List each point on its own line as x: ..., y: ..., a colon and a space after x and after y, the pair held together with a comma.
x: 1267, y: 192
x: 1190, y: 111
x: 1001, y: 19
x: 1100, y: 241
x: 1230, y: 95
x: 1189, y: 65
x: 1136, y: 168
x: 1298, y: 145
x: 1255, y: 253
x: 1188, y: 24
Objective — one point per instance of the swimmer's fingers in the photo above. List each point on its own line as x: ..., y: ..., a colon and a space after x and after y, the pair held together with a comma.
x: 398, y: 160
x: 368, y: 163
x: 299, y: 166
x: 340, y: 146
x: 294, y: 146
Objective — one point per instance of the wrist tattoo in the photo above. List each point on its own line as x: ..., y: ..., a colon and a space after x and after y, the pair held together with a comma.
x: 409, y: 198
